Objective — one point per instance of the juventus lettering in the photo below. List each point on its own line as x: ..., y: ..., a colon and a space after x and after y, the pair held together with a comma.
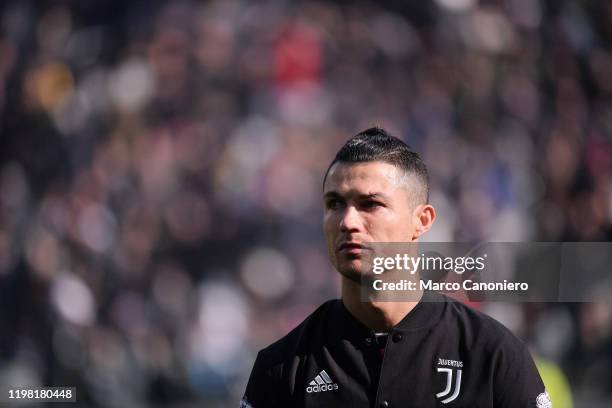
x: 450, y: 363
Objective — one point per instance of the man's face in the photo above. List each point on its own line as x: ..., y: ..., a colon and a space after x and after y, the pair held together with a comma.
x: 364, y: 203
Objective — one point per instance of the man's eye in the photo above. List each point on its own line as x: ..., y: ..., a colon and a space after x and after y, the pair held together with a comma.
x: 332, y: 204
x: 371, y: 204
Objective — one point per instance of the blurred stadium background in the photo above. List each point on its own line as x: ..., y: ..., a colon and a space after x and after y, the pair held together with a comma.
x: 161, y: 166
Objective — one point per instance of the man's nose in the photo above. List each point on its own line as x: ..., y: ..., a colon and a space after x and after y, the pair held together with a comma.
x: 351, y: 220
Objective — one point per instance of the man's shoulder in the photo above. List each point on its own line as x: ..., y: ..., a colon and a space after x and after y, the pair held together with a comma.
x: 311, y: 332
x: 479, y: 327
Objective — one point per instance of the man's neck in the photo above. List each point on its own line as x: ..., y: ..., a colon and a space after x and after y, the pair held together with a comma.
x: 378, y: 316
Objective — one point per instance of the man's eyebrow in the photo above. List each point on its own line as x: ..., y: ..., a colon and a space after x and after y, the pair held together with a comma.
x: 335, y: 194
x: 373, y: 195
x: 331, y: 194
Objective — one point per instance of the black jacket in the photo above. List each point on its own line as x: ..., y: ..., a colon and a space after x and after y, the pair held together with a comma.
x: 442, y: 354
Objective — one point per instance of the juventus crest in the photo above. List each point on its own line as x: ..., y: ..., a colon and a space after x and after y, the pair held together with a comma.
x: 452, y: 370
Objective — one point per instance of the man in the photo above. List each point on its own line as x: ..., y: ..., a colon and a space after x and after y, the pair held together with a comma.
x: 350, y: 353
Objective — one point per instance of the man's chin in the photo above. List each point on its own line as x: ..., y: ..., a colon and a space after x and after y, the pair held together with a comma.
x: 356, y: 275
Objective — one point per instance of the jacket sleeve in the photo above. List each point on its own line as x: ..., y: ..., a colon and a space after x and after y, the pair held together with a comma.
x: 260, y: 391
x: 517, y: 382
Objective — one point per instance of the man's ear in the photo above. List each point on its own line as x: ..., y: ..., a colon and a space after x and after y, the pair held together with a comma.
x: 423, y: 217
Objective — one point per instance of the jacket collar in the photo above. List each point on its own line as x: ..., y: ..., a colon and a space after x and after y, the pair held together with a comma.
x: 425, y: 314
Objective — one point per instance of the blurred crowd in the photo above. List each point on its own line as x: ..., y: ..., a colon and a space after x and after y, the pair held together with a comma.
x: 161, y: 167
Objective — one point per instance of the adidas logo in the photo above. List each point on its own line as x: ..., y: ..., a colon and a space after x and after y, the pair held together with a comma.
x: 321, y: 383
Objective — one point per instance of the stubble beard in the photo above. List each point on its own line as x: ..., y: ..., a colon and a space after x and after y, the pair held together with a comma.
x: 355, y: 275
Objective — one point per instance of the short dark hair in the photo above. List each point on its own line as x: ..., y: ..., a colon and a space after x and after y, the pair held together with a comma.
x: 376, y: 144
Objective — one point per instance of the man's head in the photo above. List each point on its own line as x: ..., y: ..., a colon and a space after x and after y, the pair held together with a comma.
x: 375, y: 190
x: 375, y: 144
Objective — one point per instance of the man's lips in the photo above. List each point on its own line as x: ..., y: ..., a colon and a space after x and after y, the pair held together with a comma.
x: 351, y: 247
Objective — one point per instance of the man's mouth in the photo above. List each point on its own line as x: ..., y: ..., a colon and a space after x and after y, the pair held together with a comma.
x: 351, y: 247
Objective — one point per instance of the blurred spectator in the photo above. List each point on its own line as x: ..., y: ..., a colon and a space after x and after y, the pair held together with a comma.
x: 160, y: 170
